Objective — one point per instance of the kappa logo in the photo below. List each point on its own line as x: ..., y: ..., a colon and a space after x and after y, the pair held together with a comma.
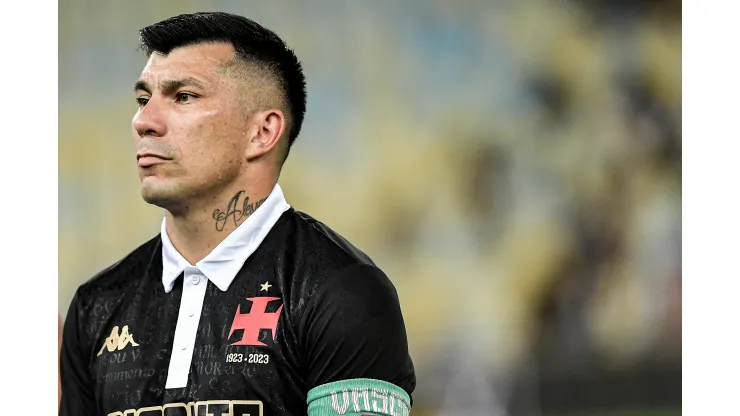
x: 255, y: 320
x: 116, y: 341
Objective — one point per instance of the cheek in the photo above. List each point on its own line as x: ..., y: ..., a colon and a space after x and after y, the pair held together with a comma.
x: 210, y: 146
x: 230, y: 137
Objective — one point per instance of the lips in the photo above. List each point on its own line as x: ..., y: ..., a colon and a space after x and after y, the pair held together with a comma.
x: 149, y: 159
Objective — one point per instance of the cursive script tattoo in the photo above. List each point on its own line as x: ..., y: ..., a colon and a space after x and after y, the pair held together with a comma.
x: 246, y: 210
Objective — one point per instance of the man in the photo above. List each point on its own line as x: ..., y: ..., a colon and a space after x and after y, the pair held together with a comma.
x: 241, y: 305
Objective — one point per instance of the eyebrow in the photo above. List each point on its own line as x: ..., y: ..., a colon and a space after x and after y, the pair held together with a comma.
x: 168, y: 86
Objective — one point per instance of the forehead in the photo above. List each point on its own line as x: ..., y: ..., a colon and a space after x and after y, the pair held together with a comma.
x: 202, y: 60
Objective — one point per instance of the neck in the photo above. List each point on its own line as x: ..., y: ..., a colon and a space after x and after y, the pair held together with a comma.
x: 197, y: 230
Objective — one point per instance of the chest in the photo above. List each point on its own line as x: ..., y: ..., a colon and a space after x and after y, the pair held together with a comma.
x: 192, y: 353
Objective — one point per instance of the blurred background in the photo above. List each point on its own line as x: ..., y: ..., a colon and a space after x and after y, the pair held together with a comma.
x: 513, y: 166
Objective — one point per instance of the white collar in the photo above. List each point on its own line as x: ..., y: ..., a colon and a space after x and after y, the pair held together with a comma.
x: 222, y: 264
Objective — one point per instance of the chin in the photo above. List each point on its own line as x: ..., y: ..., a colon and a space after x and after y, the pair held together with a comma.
x: 166, y: 197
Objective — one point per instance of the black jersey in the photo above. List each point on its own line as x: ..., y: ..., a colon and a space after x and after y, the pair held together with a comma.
x: 309, y: 326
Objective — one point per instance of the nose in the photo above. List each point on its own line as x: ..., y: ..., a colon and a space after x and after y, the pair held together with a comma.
x: 149, y: 120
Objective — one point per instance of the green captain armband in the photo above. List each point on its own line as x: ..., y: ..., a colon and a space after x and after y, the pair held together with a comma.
x: 358, y: 397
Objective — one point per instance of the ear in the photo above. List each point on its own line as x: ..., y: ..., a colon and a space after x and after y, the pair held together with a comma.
x: 267, y: 128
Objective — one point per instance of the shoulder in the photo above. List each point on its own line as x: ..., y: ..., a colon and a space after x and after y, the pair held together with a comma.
x: 323, y: 259
x: 359, y: 281
x: 323, y: 241
x: 96, y: 299
x: 126, y: 272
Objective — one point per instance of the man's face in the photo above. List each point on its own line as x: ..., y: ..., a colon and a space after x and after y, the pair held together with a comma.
x: 190, y: 131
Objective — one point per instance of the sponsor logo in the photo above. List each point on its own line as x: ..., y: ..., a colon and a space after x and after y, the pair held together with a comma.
x: 203, y: 408
x: 116, y: 341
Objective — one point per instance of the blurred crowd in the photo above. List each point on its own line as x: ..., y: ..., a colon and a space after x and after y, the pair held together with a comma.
x: 514, y: 167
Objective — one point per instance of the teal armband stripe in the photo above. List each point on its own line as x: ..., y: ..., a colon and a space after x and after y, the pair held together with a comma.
x: 359, y: 396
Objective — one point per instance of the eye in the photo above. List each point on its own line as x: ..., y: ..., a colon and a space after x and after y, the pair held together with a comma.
x: 141, y: 101
x: 183, y: 97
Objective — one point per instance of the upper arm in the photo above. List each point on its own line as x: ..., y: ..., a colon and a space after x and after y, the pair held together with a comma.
x: 74, y: 373
x: 355, y: 343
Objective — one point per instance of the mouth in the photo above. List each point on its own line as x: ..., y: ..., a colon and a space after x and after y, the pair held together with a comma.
x: 146, y: 160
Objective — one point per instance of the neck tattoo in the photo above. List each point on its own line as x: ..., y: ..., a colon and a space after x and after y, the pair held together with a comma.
x: 247, y: 208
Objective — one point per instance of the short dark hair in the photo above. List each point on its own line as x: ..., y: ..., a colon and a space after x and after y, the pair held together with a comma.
x: 251, y: 41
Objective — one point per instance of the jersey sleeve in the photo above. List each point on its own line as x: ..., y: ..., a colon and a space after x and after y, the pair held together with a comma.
x: 78, y: 398
x: 355, y: 346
